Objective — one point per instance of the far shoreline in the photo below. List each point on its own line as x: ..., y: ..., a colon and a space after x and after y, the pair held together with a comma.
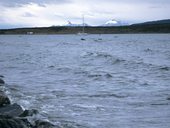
x: 44, y: 34
x: 59, y: 30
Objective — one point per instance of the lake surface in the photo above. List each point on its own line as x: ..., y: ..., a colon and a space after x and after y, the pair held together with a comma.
x: 104, y: 81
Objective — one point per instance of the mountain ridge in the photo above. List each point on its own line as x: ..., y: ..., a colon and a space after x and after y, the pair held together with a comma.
x: 160, y: 26
x: 165, y: 21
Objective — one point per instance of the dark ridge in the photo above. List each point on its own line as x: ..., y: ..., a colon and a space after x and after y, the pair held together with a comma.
x: 166, y: 21
x: 162, y: 26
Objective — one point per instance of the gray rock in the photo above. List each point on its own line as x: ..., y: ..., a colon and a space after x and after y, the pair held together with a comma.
x: 11, y: 122
x: 13, y: 116
x: 1, y: 76
x: 29, y: 113
x: 44, y: 124
x: 2, y: 82
x: 168, y: 98
x: 83, y: 39
x: 4, y: 100
x: 13, y: 110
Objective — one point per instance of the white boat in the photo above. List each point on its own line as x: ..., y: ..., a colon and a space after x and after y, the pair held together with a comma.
x: 83, y: 27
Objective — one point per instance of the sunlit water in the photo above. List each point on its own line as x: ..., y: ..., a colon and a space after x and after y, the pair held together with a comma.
x: 104, y: 81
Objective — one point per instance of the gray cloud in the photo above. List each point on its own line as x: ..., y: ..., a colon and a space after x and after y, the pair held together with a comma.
x: 96, y: 11
x: 28, y: 14
x: 12, y: 3
x: 129, y: 1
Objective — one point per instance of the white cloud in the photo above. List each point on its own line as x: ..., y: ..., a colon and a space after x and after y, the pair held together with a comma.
x: 55, y: 12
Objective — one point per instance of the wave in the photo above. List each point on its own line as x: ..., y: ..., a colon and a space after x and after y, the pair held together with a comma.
x: 61, y: 94
x: 164, y: 68
x: 141, y: 64
x: 148, y: 50
x: 69, y: 124
x: 105, y: 57
x: 96, y: 55
x: 106, y: 96
x: 118, y: 61
x: 59, y: 68
x: 107, y: 75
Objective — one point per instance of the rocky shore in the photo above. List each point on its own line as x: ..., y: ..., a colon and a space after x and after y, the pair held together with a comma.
x: 14, y: 116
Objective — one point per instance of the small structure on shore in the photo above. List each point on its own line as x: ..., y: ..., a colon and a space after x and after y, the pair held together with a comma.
x: 30, y: 33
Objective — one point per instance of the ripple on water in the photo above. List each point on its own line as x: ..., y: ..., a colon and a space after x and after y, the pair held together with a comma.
x: 90, y: 106
x: 99, y: 83
x: 164, y: 68
x: 62, y: 94
x: 70, y: 124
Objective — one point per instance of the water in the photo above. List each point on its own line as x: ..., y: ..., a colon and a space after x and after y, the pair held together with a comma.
x: 105, y: 81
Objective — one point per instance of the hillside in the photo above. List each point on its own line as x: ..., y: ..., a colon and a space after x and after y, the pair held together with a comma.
x: 162, y: 26
x: 167, y: 21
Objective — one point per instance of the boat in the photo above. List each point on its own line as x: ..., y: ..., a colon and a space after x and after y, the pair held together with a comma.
x: 83, y: 27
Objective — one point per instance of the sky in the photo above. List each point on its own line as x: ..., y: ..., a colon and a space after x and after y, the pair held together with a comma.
x: 39, y: 13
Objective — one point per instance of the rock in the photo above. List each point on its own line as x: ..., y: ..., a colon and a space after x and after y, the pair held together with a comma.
x: 52, y: 66
x: 13, y: 110
x: 44, y: 124
x: 168, y: 98
x: 29, y: 113
x: 83, y: 39
x: 147, y: 50
x: 13, y: 116
x: 1, y: 76
x: 2, y: 82
x: 165, y: 68
x: 4, y: 100
x: 11, y: 122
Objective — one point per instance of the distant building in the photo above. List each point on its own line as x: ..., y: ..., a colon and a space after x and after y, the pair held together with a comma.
x: 30, y: 33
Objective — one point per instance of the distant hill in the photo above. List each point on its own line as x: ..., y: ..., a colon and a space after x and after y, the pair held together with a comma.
x: 161, y: 26
x: 167, y: 21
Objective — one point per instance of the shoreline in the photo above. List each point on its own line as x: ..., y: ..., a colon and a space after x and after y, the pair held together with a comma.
x: 13, y: 115
x: 84, y: 36
x: 131, y: 29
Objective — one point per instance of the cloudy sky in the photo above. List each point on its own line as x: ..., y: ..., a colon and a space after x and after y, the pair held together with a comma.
x: 37, y: 13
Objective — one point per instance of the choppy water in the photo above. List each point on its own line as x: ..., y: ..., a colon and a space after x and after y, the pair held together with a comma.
x: 106, y: 81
